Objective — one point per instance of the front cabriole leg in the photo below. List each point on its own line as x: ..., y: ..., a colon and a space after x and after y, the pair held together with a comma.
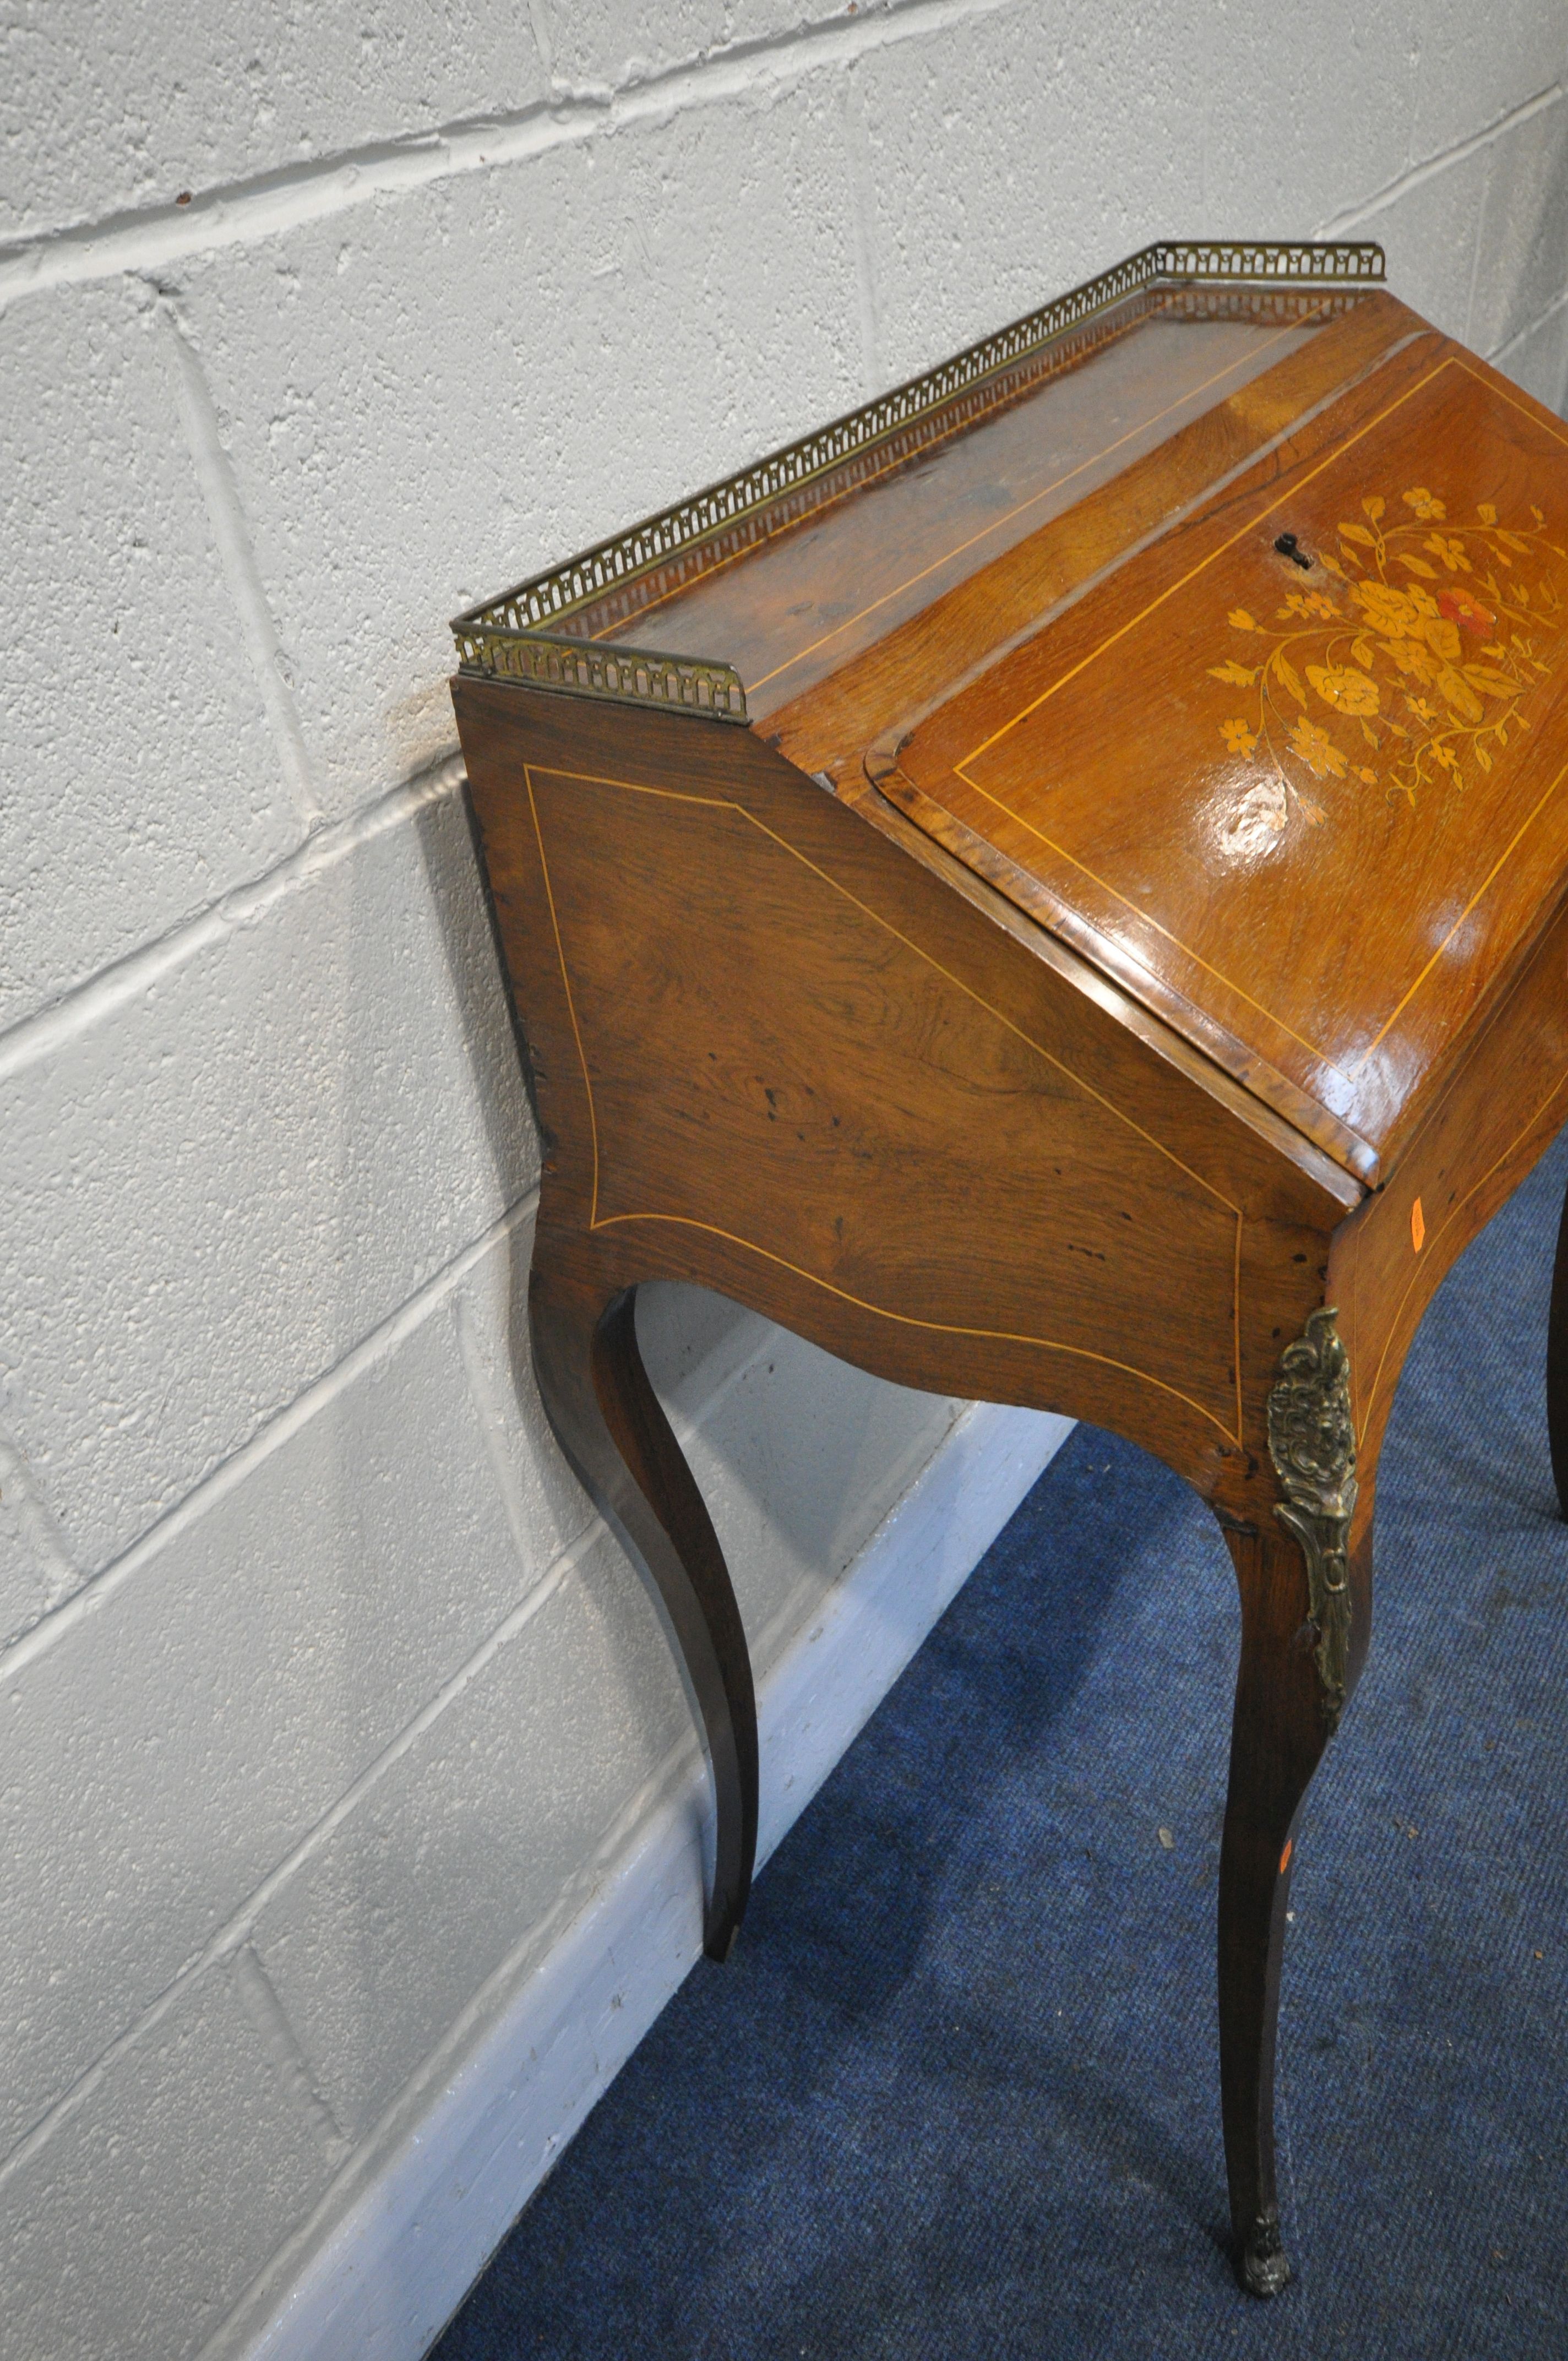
x: 1297, y: 1664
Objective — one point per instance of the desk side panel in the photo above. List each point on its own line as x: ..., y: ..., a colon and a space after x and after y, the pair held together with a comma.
x: 774, y: 1055
x: 1505, y: 1105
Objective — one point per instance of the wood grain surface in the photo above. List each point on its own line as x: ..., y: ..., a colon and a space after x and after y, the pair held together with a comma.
x: 774, y: 1054
x: 958, y: 630
x: 1504, y: 1103
x: 1115, y: 941
x: 1315, y: 814
x: 805, y: 601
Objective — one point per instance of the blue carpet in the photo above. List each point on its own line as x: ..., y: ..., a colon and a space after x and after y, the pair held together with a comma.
x: 957, y: 2093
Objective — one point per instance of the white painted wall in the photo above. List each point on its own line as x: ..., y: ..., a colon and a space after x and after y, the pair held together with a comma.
x: 330, y: 1719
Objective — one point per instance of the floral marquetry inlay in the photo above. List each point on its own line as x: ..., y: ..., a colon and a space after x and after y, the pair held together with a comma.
x: 1401, y: 663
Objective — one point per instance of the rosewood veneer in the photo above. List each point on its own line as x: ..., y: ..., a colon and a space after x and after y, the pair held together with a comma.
x: 1072, y: 914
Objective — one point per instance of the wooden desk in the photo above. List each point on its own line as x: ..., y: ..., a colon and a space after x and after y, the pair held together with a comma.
x: 1073, y: 915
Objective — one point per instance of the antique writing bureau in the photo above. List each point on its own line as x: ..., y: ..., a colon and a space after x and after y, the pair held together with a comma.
x: 1072, y: 914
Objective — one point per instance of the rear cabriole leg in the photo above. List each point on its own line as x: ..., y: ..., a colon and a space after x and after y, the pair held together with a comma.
x: 607, y: 1421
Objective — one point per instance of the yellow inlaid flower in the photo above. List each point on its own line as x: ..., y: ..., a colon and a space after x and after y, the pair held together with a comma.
x: 1425, y: 506
x: 1410, y: 655
x: 1317, y: 750
x: 1346, y: 691
x: 1451, y: 552
x: 1393, y: 612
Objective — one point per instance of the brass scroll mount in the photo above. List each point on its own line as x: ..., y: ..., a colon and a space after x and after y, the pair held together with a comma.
x: 1311, y: 1440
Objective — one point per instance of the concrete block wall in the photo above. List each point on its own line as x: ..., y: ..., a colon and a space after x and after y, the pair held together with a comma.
x: 327, y: 1703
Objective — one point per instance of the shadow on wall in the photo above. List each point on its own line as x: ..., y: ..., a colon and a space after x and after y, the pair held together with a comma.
x: 449, y: 843
x: 799, y: 1456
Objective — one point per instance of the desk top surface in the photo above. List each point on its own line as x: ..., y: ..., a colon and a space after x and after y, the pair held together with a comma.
x: 1310, y: 813
x: 1313, y: 813
x: 797, y: 608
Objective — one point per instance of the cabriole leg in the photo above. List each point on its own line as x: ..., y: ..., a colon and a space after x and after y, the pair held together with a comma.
x: 1277, y: 1738
x: 607, y: 1421
x: 1305, y: 1619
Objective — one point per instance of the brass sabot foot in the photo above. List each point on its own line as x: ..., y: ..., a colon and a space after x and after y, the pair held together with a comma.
x: 1262, y: 2267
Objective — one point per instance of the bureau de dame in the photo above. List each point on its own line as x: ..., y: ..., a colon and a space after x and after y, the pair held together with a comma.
x: 1054, y: 889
